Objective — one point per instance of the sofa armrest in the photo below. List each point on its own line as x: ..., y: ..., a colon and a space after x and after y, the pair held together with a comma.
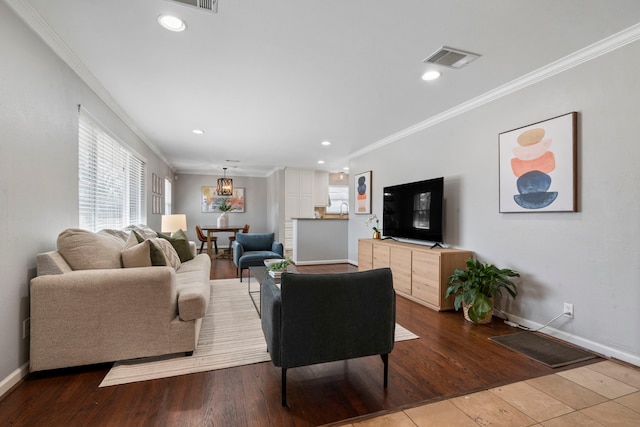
x: 77, y: 314
x: 270, y: 310
x: 278, y: 248
x: 193, y: 247
x: 238, y: 251
x: 149, y: 292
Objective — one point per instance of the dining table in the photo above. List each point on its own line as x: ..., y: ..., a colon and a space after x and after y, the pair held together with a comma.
x: 211, y: 229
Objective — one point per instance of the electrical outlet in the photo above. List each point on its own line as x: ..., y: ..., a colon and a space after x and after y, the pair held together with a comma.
x: 26, y: 327
x: 568, y: 310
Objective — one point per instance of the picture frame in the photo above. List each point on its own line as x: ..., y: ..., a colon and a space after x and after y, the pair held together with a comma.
x: 362, y: 187
x: 210, y: 200
x: 157, y: 184
x: 538, y: 166
x: 157, y: 206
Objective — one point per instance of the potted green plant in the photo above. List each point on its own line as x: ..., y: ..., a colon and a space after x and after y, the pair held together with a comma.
x: 224, y: 207
x: 476, y: 286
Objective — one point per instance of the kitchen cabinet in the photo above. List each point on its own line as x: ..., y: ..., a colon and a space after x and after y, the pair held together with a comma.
x: 321, y: 189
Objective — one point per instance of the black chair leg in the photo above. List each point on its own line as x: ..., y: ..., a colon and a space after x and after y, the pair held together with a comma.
x: 385, y: 360
x: 284, y: 387
x: 201, y: 247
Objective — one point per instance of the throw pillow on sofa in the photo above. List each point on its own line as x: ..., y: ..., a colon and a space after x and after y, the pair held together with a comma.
x: 170, y: 254
x: 136, y: 254
x: 85, y: 250
x: 157, y: 256
x: 180, y: 243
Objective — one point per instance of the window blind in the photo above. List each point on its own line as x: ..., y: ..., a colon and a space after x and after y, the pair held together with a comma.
x: 111, y: 179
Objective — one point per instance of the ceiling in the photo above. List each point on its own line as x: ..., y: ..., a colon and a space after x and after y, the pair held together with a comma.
x: 268, y: 81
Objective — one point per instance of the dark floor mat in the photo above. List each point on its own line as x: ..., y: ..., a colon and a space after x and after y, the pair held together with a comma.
x: 542, y: 349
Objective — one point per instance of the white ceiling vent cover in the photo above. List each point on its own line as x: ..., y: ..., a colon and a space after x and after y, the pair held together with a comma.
x: 452, y: 58
x: 206, y: 5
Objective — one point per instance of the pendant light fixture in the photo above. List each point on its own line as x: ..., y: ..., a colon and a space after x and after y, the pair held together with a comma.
x: 225, y: 185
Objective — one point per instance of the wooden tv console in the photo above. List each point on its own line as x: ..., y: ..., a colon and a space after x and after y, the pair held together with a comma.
x: 420, y: 273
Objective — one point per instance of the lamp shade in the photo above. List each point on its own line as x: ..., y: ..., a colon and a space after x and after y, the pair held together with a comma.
x: 173, y: 223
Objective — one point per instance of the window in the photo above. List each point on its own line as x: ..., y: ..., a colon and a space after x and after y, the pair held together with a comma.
x: 111, y: 179
x: 338, y: 194
x: 167, y: 196
x: 422, y: 210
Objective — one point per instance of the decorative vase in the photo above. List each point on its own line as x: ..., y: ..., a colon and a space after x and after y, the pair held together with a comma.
x: 481, y: 321
x: 223, y: 220
x: 376, y: 234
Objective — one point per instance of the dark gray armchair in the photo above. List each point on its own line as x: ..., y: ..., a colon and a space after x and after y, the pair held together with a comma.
x: 251, y: 249
x: 317, y: 318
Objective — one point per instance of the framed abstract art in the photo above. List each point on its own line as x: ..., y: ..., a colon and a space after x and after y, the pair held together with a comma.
x: 538, y: 166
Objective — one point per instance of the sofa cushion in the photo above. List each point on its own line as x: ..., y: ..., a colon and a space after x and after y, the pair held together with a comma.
x: 85, y: 250
x: 170, y: 254
x: 120, y: 234
x: 142, y: 230
x: 157, y: 256
x: 257, y: 257
x: 255, y: 241
x: 136, y: 254
x: 180, y: 243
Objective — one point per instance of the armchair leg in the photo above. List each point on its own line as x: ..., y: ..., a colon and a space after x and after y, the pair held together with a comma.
x: 284, y: 387
x: 385, y: 360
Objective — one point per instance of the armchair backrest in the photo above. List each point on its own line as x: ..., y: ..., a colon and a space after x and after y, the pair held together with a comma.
x: 326, y: 317
x: 255, y: 241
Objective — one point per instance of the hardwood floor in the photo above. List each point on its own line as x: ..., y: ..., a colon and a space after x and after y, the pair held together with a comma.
x: 452, y: 357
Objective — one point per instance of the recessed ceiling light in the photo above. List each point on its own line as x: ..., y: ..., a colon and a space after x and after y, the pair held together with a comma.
x: 172, y: 23
x: 321, y: 162
x: 325, y: 143
x: 431, y: 75
x: 346, y: 168
x: 198, y: 131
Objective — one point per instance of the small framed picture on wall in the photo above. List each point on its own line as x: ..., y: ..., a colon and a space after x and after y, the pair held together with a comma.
x: 363, y: 193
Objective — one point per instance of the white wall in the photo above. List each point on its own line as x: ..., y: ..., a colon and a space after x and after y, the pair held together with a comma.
x: 590, y: 258
x: 39, y: 97
x: 188, y: 194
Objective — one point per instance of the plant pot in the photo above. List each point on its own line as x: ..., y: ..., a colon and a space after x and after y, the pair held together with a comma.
x: 376, y: 234
x: 481, y: 321
x: 223, y: 220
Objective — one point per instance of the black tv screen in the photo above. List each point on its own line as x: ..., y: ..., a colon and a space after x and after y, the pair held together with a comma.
x: 414, y: 210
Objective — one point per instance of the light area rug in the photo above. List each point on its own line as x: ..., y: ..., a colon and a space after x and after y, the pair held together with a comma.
x: 231, y: 335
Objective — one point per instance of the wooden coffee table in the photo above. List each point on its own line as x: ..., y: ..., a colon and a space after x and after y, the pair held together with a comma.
x: 260, y: 273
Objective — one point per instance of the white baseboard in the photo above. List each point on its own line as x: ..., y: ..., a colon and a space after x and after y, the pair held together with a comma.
x: 324, y: 261
x: 602, y: 349
x: 13, y: 378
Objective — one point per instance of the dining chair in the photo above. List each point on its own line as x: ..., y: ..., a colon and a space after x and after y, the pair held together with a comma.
x: 203, y: 238
x: 232, y: 239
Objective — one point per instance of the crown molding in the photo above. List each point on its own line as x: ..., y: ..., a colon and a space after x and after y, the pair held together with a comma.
x: 593, y: 51
x: 51, y: 38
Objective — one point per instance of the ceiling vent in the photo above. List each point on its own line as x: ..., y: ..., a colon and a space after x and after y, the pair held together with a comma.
x: 452, y: 58
x: 206, y: 5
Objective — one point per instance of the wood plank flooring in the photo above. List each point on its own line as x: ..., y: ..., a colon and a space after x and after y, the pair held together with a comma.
x: 452, y: 357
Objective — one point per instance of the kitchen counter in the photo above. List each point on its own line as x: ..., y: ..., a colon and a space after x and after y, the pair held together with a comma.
x: 322, y: 219
x: 320, y: 240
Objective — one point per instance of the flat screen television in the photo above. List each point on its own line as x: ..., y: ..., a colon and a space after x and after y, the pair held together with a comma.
x: 414, y: 210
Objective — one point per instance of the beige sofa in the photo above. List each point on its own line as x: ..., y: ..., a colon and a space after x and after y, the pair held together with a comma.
x: 91, y: 302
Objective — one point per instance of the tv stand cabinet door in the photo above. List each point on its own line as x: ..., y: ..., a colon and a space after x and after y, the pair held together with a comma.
x: 425, y: 275
x: 365, y: 254
x: 400, y: 263
x: 381, y: 254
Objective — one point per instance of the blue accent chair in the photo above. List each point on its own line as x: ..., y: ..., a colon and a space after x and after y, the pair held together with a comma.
x: 318, y: 318
x: 251, y: 249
